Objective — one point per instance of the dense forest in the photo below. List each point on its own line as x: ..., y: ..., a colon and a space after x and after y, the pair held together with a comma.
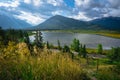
x: 21, y: 59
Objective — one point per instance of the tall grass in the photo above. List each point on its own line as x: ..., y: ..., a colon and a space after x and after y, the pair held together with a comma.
x: 47, y: 66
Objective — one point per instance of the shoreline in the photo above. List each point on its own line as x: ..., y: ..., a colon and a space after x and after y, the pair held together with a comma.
x: 112, y: 34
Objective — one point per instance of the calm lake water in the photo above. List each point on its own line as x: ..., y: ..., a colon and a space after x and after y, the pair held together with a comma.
x: 90, y: 40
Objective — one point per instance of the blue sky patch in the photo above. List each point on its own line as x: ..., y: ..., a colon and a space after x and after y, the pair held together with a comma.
x: 70, y: 3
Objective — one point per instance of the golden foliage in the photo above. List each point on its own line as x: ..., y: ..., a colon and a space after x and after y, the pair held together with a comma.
x: 13, y: 49
x: 10, y: 50
x: 22, y: 49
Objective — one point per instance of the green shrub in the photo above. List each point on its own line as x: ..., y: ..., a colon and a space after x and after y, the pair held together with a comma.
x: 107, y: 74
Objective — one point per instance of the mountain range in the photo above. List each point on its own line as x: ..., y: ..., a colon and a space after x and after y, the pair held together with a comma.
x: 61, y: 22
x: 7, y: 21
x: 111, y: 23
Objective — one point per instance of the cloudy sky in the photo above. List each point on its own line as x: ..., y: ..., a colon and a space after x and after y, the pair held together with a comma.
x: 37, y: 11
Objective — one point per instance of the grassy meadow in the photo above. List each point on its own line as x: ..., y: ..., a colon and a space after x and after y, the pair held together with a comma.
x: 43, y: 65
x: 18, y: 63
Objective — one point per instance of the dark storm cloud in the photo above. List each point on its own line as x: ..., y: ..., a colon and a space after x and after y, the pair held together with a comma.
x: 98, y: 8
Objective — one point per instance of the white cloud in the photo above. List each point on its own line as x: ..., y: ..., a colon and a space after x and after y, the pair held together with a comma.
x: 55, y: 2
x: 37, y: 2
x: 10, y: 4
x: 58, y: 12
x: 34, y: 2
x: 89, y: 4
x: 27, y: 1
x: 78, y: 2
x: 83, y: 3
x: 31, y: 18
x: 80, y: 16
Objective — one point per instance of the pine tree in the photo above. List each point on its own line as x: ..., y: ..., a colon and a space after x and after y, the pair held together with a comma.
x: 81, y: 50
x: 99, y: 49
x: 26, y: 38
x: 2, y: 36
x: 38, y: 39
x: 115, y: 54
x: 47, y: 44
x: 84, y: 52
x: 59, y: 46
x: 66, y: 48
x: 75, y: 45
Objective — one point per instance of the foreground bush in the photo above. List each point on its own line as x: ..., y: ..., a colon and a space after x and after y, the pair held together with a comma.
x: 107, y: 74
x: 46, y: 66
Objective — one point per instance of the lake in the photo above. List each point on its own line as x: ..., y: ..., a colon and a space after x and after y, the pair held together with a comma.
x: 90, y: 40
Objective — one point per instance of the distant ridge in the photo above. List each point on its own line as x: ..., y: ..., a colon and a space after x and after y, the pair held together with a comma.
x: 7, y: 22
x: 111, y: 23
x: 61, y: 22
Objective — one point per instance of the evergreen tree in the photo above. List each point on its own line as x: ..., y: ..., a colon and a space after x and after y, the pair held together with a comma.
x: 84, y: 52
x: 115, y: 54
x: 72, y: 55
x: 81, y: 50
x: 47, y: 45
x: 2, y: 36
x: 59, y: 46
x: 26, y: 38
x: 38, y: 39
x: 20, y: 34
x: 99, y: 49
x: 15, y: 35
x: 75, y: 45
x: 66, y: 48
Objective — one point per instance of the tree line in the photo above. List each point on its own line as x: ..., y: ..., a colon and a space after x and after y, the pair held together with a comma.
x: 22, y: 36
